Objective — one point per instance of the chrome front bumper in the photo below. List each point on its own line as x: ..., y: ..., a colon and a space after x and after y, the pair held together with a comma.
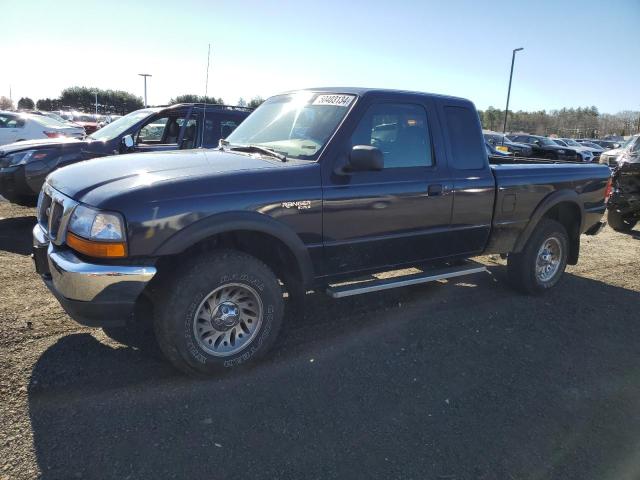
x: 84, y: 289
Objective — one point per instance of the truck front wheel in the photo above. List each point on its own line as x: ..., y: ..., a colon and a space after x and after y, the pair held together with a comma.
x: 542, y: 261
x: 218, y: 311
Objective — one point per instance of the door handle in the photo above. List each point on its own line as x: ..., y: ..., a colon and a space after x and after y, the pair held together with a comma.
x: 434, y: 190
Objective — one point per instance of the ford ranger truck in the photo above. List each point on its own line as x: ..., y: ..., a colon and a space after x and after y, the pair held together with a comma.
x: 314, y: 189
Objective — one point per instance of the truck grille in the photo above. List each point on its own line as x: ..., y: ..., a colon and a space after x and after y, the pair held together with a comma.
x: 54, y: 211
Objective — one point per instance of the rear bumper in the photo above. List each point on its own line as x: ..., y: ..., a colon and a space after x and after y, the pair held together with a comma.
x: 92, y: 294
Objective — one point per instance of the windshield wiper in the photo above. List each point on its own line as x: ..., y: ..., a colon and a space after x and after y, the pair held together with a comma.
x: 256, y: 148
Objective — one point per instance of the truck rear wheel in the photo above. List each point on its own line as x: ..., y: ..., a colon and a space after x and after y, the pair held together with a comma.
x: 219, y: 311
x: 620, y: 223
x: 542, y: 261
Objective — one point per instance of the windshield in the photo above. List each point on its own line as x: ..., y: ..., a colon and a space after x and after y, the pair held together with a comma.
x: 626, y: 143
x: 297, y: 125
x: 55, y: 117
x: 559, y: 142
x: 48, y: 121
x: 114, y: 129
x: 572, y: 143
x: 494, y: 137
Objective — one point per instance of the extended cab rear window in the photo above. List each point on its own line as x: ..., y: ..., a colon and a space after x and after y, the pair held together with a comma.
x: 467, y: 148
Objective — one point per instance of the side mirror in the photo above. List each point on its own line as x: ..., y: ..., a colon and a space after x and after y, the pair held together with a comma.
x: 365, y: 158
x: 128, y: 142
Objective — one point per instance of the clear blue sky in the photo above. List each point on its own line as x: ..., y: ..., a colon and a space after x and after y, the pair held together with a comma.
x: 577, y: 53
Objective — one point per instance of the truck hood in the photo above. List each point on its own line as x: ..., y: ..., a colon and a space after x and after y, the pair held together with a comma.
x: 41, y: 143
x: 96, y: 179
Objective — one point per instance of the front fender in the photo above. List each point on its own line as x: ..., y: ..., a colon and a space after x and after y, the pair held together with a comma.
x: 235, y: 221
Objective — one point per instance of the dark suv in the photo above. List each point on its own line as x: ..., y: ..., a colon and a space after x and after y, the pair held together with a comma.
x: 25, y: 165
x: 543, y: 147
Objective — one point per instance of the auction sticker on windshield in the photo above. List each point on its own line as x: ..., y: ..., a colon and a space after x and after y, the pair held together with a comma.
x: 334, y: 100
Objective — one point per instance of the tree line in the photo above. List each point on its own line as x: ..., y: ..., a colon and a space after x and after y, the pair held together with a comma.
x: 192, y: 98
x: 581, y: 122
x: 108, y: 101
x: 578, y: 122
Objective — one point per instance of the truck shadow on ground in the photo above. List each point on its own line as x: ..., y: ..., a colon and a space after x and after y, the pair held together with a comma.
x: 15, y: 234
x: 466, y: 380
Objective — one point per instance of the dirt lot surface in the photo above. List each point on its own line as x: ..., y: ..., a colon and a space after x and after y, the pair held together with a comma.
x: 458, y: 380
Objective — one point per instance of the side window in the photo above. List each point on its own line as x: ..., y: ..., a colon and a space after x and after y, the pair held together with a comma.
x: 400, y: 131
x: 11, y: 121
x: 161, y: 130
x: 190, y: 133
x: 226, y: 127
x: 216, y: 128
x: 466, y: 146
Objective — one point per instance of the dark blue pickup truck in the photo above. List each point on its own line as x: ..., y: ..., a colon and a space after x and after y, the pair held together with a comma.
x: 314, y: 189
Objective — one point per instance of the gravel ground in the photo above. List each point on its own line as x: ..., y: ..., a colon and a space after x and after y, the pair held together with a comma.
x: 452, y: 380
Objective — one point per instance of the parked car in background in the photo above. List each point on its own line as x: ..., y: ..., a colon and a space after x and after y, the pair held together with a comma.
x: 544, y: 147
x: 315, y: 188
x: 499, y: 140
x: 613, y: 157
x: 624, y: 203
x: 596, y: 150
x: 591, y: 145
x: 87, y: 121
x: 55, y: 116
x: 584, y: 154
x: 606, y: 144
x: 24, y: 166
x: 18, y: 127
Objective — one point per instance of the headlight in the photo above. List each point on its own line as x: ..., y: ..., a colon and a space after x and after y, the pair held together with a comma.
x: 21, y: 158
x: 96, y: 233
x: 96, y: 225
x: 18, y: 158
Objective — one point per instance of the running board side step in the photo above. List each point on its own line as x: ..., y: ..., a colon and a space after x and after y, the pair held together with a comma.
x: 342, y: 290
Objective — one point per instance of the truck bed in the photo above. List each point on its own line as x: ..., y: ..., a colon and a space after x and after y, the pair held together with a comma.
x: 523, y: 184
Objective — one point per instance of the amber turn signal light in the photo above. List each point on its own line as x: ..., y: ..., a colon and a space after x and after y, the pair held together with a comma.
x: 96, y: 249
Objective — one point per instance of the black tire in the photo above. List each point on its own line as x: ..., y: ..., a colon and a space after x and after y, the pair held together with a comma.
x: 185, y: 295
x: 620, y: 223
x: 522, y: 267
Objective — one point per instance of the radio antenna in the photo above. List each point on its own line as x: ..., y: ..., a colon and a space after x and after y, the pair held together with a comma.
x: 206, y: 92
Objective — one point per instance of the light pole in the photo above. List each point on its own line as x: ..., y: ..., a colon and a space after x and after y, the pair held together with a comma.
x: 506, y: 110
x: 145, y: 75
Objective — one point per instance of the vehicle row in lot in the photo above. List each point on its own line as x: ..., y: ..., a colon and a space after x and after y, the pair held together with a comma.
x: 25, y: 165
x: 313, y: 189
x: 543, y: 147
x: 501, y: 142
x: 551, y: 148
